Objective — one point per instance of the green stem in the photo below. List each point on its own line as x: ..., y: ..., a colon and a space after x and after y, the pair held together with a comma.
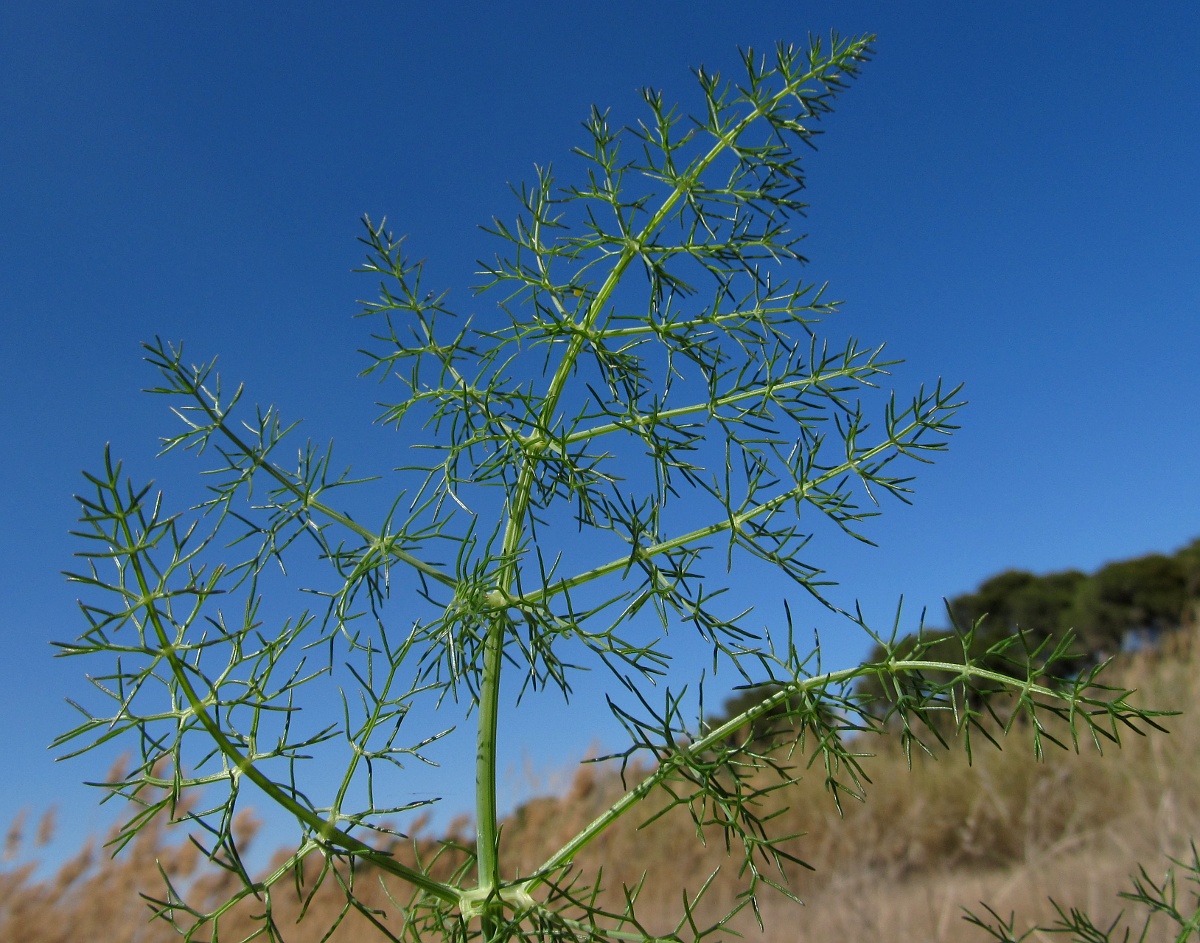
x: 311, y: 503
x: 486, y: 818
x: 565, y: 855
x: 487, y: 832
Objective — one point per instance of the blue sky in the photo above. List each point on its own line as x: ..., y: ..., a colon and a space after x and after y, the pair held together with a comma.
x: 1008, y: 197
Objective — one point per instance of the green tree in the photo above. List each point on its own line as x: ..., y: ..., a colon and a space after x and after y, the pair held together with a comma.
x: 1019, y: 601
x: 1189, y: 562
x: 1148, y: 593
x: 649, y: 398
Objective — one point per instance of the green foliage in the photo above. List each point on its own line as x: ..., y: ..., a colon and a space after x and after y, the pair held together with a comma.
x: 1148, y: 593
x: 1016, y: 600
x: 649, y: 394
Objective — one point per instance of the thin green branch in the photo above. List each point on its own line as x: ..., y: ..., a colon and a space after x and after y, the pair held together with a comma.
x: 218, y: 421
x: 765, y: 392
x: 731, y: 522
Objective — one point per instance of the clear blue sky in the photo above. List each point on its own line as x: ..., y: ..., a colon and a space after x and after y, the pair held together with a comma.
x: 1009, y: 196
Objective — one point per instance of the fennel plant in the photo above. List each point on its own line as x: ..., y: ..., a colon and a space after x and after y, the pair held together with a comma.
x: 647, y: 392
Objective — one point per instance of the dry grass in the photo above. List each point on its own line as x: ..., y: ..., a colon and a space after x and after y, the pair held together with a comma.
x: 902, y: 866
